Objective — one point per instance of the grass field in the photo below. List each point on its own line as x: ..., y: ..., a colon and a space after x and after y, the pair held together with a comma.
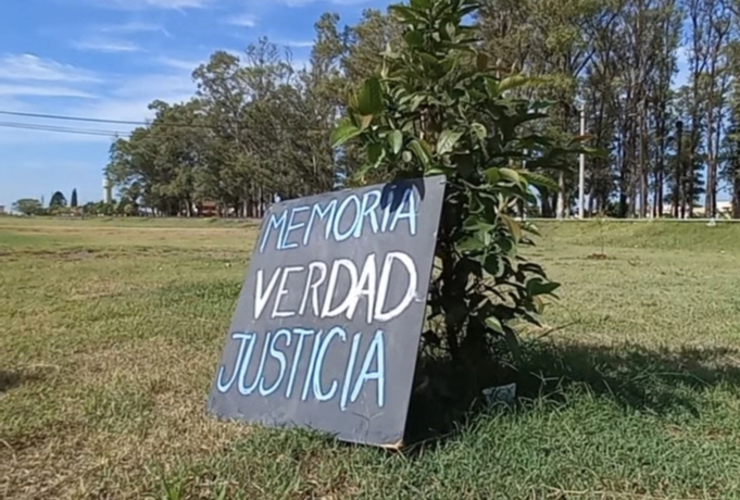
x: 112, y: 331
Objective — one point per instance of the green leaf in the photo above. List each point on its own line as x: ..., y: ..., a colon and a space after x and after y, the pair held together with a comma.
x: 375, y: 153
x: 470, y: 243
x: 370, y: 99
x: 416, y: 101
x: 493, y: 175
x: 512, y: 82
x: 493, y: 87
x: 414, y: 38
x: 514, y: 228
x: 479, y: 130
x: 510, y: 175
x: 494, y: 324
x: 420, y: 152
x: 395, y: 139
x: 439, y: 170
x: 429, y: 58
x: 540, y: 181
x: 405, y: 14
x: 538, y: 286
x: 447, y: 141
x: 421, y: 4
x: 343, y: 133
x: 475, y: 223
x: 494, y: 265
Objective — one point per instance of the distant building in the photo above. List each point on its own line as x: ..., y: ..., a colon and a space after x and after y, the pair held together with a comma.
x: 2, y: 209
x: 207, y: 209
x: 724, y: 210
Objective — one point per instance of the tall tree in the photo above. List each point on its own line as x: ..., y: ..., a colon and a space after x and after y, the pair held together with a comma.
x: 57, y: 200
x: 73, y: 199
x: 28, y: 206
x: 711, y: 24
x: 546, y: 37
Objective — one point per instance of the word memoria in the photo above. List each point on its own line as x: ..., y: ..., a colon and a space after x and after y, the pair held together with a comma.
x: 339, y: 220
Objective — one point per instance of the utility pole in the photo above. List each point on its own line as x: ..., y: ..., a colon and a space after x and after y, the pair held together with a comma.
x: 582, y: 168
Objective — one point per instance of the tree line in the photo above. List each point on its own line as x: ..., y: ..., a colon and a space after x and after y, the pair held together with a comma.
x: 58, y: 205
x: 260, y: 128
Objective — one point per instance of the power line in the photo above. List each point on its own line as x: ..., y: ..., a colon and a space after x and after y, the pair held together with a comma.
x: 53, y: 128
x: 66, y: 130
x: 100, y: 120
x: 72, y: 118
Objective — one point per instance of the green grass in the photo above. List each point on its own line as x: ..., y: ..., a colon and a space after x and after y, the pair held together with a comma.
x: 112, y: 331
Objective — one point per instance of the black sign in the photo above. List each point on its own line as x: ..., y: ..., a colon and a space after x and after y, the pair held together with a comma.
x: 326, y: 330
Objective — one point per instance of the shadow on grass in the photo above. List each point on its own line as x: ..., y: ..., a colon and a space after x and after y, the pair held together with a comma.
x: 12, y: 379
x: 655, y: 381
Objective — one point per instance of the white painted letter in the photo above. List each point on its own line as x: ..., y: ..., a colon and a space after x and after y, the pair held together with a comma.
x: 350, y: 266
x: 282, y: 292
x: 385, y: 278
x: 261, y: 295
x: 313, y: 288
x: 365, y: 287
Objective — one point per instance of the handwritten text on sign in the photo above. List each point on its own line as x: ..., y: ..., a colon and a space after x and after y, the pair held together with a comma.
x: 331, y: 311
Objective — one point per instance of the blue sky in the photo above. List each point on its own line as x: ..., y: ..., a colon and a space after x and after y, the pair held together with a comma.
x: 108, y: 59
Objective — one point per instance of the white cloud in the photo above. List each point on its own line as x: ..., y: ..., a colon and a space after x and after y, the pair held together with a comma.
x: 298, y: 3
x: 182, y: 64
x: 167, y: 87
x: 244, y: 20
x: 127, y: 102
x: 30, y: 67
x: 155, y: 4
x: 131, y: 27
x: 42, y: 91
x: 124, y: 97
x: 294, y: 43
x: 97, y: 44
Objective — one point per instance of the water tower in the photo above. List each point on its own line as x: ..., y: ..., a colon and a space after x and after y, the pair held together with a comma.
x: 107, y: 190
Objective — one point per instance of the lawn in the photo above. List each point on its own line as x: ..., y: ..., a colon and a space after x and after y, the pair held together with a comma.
x: 112, y: 331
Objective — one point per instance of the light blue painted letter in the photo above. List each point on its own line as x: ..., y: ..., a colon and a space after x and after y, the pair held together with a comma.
x: 317, y: 390
x: 376, y: 350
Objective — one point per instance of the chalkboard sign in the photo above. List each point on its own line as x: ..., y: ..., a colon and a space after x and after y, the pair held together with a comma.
x: 327, y: 325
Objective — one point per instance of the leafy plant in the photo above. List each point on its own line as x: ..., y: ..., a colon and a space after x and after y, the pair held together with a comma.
x: 439, y: 107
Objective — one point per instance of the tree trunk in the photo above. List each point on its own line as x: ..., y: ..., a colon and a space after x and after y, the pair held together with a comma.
x: 561, y: 196
x: 710, y: 201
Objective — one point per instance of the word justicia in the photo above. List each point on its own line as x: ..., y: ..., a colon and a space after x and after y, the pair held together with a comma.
x: 278, y: 373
